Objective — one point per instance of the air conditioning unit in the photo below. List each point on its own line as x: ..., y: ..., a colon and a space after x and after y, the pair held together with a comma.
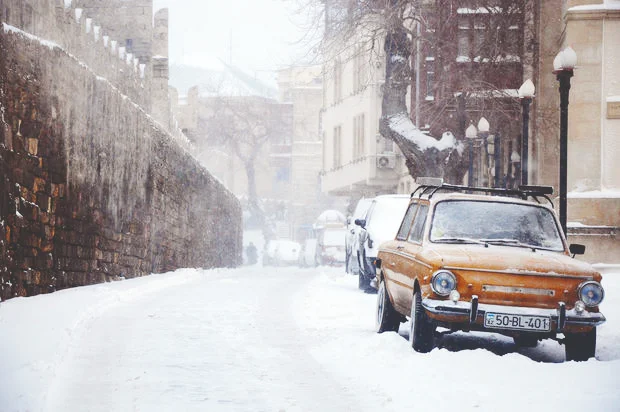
x: 386, y: 161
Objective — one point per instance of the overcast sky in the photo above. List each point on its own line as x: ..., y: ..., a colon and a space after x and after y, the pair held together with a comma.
x: 264, y: 35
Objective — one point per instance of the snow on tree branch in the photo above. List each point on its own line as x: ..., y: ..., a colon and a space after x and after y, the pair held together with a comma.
x: 402, y: 125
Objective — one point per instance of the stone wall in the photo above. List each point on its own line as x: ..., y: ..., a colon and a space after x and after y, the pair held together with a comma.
x: 65, y: 24
x: 91, y: 188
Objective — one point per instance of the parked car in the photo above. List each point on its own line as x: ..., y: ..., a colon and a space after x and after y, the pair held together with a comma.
x: 350, y: 243
x: 380, y: 224
x: 488, y: 261
x: 307, y: 256
x: 331, y: 247
x: 281, y: 252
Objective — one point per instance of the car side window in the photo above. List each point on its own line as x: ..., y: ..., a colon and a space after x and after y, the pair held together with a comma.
x: 406, y: 223
x: 417, y: 231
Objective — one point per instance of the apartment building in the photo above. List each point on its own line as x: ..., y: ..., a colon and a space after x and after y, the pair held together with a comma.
x: 357, y: 160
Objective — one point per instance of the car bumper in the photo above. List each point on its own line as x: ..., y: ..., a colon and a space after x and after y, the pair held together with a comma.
x: 473, y: 314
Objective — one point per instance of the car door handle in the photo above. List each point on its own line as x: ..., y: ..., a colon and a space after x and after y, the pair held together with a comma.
x: 400, y: 247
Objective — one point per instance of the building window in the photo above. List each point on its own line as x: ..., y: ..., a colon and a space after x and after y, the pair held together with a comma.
x: 359, y: 136
x: 337, y: 146
x: 463, y: 38
x: 337, y: 81
x: 430, y: 81
x: 359, y: 69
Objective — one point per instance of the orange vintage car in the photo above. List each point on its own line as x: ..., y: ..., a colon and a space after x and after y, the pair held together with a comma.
x: 491, y: 260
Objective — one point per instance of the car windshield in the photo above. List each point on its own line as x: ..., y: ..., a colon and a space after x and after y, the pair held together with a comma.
x: 510, y: 224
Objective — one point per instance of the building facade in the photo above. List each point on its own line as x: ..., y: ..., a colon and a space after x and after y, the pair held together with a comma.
x: 469, y: 60
x: 592, y: 29
x: 357, y: 160
x: 302, y: 87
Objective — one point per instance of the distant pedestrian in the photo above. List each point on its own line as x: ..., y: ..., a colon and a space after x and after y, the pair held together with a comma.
x: 250, y: 252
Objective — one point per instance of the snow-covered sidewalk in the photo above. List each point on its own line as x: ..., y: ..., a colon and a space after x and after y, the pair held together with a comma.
x: 273, y: 339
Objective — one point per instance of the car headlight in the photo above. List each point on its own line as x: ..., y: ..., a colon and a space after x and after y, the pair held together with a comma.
x: 443, y: 282
x: 591, y: 293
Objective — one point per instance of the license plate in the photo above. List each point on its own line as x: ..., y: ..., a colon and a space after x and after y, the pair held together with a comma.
x: 521, y: 322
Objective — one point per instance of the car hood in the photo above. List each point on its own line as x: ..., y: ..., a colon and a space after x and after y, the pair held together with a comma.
x: 507, y: 259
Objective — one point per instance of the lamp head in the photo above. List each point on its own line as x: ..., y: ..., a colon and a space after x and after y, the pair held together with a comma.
x: 527, y: 89
x: 483, y: 125
x: 569, y: 58
x: 471, y: 132
x: 566, y: 60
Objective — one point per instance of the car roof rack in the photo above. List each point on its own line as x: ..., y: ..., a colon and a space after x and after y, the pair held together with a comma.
x: 523, y: 192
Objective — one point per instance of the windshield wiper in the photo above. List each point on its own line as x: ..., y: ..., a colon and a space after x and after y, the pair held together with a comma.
x: 459, y: 240
x: 506, y: 242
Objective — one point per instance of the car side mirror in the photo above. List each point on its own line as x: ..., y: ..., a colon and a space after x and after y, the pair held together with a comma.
x: 577, y: 249
x: 360, y: 222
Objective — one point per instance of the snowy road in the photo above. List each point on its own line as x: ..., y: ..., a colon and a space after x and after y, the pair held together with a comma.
x: 273, y: 339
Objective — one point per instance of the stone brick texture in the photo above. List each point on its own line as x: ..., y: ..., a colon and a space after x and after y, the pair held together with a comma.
x: 92, y: 189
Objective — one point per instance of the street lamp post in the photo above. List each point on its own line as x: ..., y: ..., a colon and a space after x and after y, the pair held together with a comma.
x: 483, y: 134
x: 526, y: 93
x: 515, y: 159
x: 471, y: 133
x: 563, y: 66
x: 497, y: 159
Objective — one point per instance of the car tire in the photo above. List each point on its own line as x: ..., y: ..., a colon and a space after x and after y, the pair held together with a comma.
x: 580, y: 346
x: 362, y: 283
x: 525, y: 341
x: 388, y: 320
x: 421, y: 329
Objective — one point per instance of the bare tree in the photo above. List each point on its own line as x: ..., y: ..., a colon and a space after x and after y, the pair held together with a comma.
x: 470, y: 72
x: 244, y: 126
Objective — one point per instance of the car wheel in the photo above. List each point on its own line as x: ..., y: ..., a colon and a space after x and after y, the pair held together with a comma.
x: 580, y: 346
x: 525, y: 341
x: 421, y: 329
x: 388, y: 320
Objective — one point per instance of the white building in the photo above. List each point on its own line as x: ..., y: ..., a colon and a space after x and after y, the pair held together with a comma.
x: 357, y: 160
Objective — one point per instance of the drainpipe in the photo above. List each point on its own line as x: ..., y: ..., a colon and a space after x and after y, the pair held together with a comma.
x: 417, y: 76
